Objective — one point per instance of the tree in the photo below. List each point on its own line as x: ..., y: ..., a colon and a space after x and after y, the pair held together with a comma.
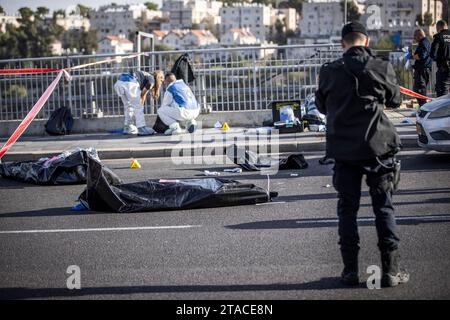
x: 162, y: 47
x: 2, y: 11
x: 385, y: 43
x: 41, y: 12
x: 352, y: 10
x: 84, y: 11
x: 151, y: 6
x: 419, y: 20
x: 428, y: 19
x: 59, y: 13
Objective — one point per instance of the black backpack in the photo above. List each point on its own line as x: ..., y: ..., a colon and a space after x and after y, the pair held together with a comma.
x: 60, y: 122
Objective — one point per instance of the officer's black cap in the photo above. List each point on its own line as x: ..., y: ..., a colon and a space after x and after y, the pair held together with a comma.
x: 354, y: 27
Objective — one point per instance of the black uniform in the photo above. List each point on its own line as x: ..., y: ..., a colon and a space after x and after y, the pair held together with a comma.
x: 352, y: 93
x: 440, y: 52
x: 422, y: 68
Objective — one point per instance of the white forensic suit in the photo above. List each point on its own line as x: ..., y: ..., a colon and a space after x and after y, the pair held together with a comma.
x: 179, y: 104
x: 129, y: 88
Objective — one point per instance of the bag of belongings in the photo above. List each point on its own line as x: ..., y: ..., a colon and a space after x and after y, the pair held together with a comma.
x: 312, y: 118
x: 60, y: 122
x: 250, y: 161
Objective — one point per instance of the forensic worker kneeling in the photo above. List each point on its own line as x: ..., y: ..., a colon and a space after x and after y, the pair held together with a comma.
x: 178, y: 105
x: 133, y: 88
x: 352, y: 93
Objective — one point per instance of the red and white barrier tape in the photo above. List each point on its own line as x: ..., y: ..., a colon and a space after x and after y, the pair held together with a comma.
x: 30, y: 116
x: 43, y: 99
x: 413, y: 94
x: 49, y: 70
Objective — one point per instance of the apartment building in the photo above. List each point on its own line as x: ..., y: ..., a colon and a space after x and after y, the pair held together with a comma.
x: 119, y: 19
x: 321, y: 19
x: 238, y: 37
x: 8, y: 19
x: 115, y: 45
x: 395, y: 16
x: 185, y: 13
x: 256, y: 17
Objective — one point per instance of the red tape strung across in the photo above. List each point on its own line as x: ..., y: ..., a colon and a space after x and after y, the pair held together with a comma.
x: 28, y: 71
x: 413, y: 94
x: 30, y: 116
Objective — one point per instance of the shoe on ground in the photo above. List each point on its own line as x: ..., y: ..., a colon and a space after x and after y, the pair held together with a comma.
x: 173, y: 129
x: 130, y: 129
x: 326, y: 161
x: 192, y: 126
x: 145, y: 131
x: 389, y: 280
x: 350, y: 279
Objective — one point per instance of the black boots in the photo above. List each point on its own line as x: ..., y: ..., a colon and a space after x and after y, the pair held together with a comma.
x: 392, y: 274
x: 350, y: 276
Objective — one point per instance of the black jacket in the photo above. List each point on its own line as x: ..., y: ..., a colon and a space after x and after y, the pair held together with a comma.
x: 440, y: 48
x: 183, y: 69
x: 352, y: 93
x: 423, y: 50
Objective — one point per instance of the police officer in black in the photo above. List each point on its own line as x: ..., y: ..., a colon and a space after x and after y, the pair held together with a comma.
x: 422, y: 65
x: 440, y: 52
x: 353, y: 92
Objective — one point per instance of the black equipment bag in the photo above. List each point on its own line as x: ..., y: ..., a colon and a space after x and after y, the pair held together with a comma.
x: 60, y: 122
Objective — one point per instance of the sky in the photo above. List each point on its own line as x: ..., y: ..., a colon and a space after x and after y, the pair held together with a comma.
x: 11, y: 6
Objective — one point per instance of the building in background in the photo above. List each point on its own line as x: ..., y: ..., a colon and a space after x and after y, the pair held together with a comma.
x: 115, y: 45
x: 184, y: 14
x: 321, y: 19
x: 174, y: 39
x: 401, y: 18
x: 72, y: 20
x: 288, y: 16
x: 198, y: 38
x: 120, y: 19
x: 256, y: 17
x: 8, y: 19
x: 238, y: 37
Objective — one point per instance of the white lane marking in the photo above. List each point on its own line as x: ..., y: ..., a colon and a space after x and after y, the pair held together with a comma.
x: 99, y: 229
x: 270, y: 203
x: 414, y: 218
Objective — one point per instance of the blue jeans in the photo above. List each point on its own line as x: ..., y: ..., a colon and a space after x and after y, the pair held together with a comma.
x: 347, y: 182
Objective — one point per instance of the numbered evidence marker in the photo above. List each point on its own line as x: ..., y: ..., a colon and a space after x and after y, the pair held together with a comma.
x: 74, y: 280
x: 374, y: 280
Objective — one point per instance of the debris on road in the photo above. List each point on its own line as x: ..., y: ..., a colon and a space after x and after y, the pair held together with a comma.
x: 250, y: 161
x: 235, y: 170
x: 211, y: 173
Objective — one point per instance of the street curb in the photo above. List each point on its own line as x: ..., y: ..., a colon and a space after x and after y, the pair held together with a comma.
x: 297, y: 146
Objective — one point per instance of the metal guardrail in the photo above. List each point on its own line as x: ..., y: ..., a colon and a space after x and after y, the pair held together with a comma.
x: 232, y: 79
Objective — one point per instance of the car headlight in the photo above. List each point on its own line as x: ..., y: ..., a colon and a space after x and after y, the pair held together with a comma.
x: 440, y: 113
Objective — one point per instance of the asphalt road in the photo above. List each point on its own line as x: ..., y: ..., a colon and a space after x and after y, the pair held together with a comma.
x: 284, y: 250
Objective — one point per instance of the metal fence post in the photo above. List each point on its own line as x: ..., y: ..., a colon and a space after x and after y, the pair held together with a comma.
x: 255, y: 88
x: 69, y: 89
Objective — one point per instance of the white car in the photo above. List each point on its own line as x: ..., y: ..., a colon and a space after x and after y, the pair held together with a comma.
x: 433, y: 124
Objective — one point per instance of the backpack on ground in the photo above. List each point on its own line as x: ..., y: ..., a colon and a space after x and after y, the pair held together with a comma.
x: 60, y: 122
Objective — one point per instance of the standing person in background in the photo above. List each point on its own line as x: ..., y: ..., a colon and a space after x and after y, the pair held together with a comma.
x: 440, y: 52
x: 133, y: 88
x: 422, y: 65
x: 352, y: 93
